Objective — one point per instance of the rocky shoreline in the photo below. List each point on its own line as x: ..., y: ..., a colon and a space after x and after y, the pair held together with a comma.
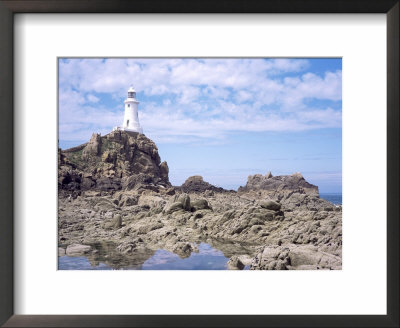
x: 114, y: 193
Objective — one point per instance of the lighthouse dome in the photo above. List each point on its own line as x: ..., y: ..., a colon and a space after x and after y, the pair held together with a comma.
x: 131, y: 92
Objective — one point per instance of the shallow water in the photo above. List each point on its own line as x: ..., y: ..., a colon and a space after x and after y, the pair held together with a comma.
x: 79, y: 263
x: 207, y: 258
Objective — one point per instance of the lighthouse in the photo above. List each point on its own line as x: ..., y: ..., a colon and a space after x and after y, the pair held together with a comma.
x: 131, y: 118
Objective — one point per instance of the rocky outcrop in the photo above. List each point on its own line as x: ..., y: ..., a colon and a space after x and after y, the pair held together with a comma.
x: 197, y: 184
x: 93, y: 147
x: 278, y: 183
x: 292, y: 192
x: 119, y: 160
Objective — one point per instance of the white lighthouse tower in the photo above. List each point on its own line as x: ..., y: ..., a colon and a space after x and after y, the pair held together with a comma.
x: 131, y: 118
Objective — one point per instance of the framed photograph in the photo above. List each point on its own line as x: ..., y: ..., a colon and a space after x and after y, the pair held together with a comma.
x: 206, y: 164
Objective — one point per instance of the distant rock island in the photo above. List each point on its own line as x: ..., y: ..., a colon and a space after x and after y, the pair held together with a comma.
x: 115, y: 195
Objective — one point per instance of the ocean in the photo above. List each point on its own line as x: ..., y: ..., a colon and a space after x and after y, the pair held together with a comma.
x: 335, y: 198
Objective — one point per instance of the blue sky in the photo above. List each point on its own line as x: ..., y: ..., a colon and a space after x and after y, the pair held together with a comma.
x: 221, y: 118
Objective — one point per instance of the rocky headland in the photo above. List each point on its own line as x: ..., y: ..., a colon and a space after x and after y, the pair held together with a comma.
x: 115, y: 195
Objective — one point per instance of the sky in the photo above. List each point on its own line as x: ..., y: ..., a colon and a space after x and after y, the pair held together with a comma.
x: 222, y: 118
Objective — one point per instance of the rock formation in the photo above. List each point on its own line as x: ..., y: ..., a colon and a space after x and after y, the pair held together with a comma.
x: 278, y: 183
x: 119, y: 160
x: 115, y: 196
x: 197, y: 184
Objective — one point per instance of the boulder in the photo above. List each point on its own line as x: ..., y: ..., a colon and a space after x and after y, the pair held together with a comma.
x: 197, y: 184
x: 270, y: 205
x: 184, y: 199
x: 78, y: 249
x: 200, y: 204
x: 235, y: 263
x: 170, y: 208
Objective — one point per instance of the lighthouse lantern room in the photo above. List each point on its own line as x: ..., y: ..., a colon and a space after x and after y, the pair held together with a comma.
x: 131, y: 118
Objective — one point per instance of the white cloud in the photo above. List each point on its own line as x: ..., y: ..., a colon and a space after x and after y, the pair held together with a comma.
x: 188, y: 94
x: 92, y: 98
x: 197, y: 98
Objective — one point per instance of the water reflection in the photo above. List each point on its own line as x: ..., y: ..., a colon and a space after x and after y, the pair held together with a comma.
x: 79, y: 263
x: 207, y: 258
x: 106, y: 257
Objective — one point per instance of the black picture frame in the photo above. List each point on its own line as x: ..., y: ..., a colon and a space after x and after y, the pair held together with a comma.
x: 10, y: 7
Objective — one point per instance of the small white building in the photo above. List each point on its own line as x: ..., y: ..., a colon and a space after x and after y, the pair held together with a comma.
x: 131, y: 118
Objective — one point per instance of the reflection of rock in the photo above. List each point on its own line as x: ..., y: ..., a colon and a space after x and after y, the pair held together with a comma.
x: 120, y: 256
x: 77, y: 249
x: 131, y: 246
x: 183, y: 249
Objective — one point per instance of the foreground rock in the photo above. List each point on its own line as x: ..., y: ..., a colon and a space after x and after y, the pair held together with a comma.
x: 116, y: 205
x: 295, y: 257
x: 77, y: 250
x: 275, y: 231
